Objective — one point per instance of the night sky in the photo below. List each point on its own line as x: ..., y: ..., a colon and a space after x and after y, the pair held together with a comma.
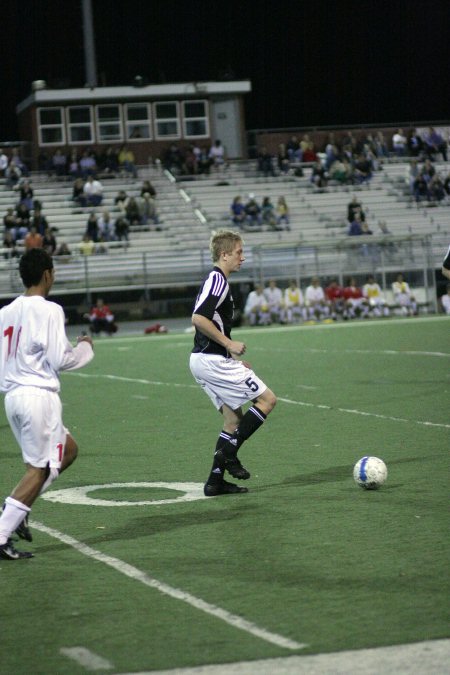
x: 316, y: 62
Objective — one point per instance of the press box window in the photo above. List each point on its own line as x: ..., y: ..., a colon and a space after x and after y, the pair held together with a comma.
x: 195, y: 119
x: 109, y: 123
x: 138, y: 121
x: 80, y: 124
x: 51, y: 126
x: 167, y: 120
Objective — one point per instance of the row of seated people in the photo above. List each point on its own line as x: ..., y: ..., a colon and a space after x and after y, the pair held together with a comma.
x: 77, y: 163
x: 253, y: 216
x: 271, y: 304
x: 194, y: 160
x: 426, y: 183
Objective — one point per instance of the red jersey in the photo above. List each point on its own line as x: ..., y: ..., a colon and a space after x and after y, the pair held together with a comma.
x: 352, y: 292
x: 334, y: 292
x: 100, y: 312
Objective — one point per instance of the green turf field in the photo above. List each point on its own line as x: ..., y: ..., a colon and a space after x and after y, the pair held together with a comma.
x: 305, y: 558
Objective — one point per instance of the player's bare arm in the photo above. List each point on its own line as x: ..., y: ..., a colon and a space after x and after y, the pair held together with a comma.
x: 207, y: 327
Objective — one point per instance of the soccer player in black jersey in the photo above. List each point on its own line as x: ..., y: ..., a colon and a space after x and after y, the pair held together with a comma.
x: 446, y: 265
x: 229, y: 382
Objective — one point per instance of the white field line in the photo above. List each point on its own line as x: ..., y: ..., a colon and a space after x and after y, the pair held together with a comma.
x: 84, y: 657
x: 283, y: 400
x: 134, y: 573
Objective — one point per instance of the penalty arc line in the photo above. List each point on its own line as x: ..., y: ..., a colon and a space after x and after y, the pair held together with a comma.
x: 138, y: 575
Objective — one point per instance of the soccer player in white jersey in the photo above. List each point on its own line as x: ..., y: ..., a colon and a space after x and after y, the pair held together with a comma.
x: 33, y: 350
x: 229, y: 382
x: 403, y: 296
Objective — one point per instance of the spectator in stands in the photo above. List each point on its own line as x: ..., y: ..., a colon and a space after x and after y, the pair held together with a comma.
x: 412, y: 174
x: 92, y: 230
x: 148, y: 212
x: 428, y: 170
x: 148, y: 189
x: 381, y: 148
x: 317, y: 305
x: 355, y: 228
x: 18, y: 161
x: 353, y: 207
x: 132, y: 212
x: 265, y: 164
x: 399, y: 143
x: 106, y: 229
x: 78, y: 195
x: 238, y: 212
x: 355, y: 304
x: 274, y: 297
x: 204, y: 162
x: 282, y: 210
x: 342, y: 171
x: 334, y: 293
x: 121, y: 201
x: 109, y: 162
x: 10, y: 245
x: 283, y: 159
x: 294, y: 304
x: 445, y: 301
x: 309, y: 153
x: 362, y: 169
x: 403, y: 296
x: 435, y: 144
x: 256, y: 309
x: 217, y: 155
x: 415, y: 144
x: 93, y: 191
x: 87, y: 165
x: 420, y: 188
x: 26, y: 193
x: 121, y: 228
x: 293, y: 149
x: 127, y: 161
x: 59, y: 163
x: 3, y: 163
x: 33, y: 239
x: 253, y: 213
x: 436, y: 189
x: 173, y: 160
x: 268, y: 214
x: 374, y: 295
x: 12, y: 174
x: 87, y: 246
x: 74, y: 165
x: 39, y: 221
x: 447, y: 184
x: 63, y: 250
x: 22, y: 221
x: 101, y: 319
x: 319, y: 175
x: 49, y: 241
x: 190, y: 161
x: 10, y: 223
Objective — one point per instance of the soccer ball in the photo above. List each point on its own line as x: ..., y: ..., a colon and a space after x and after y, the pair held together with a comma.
x: 370, y: 472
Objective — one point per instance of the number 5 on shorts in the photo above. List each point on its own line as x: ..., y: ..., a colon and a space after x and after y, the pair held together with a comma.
x: 251, y: 384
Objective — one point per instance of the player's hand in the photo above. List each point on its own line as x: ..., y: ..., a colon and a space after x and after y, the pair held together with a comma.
x: 236, y: 347
x: 85, y: 338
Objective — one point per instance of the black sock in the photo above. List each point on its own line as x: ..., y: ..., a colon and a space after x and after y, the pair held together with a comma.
x: 250, y: 423
x: 216, y: 474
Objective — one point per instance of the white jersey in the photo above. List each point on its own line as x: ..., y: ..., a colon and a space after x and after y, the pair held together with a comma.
x: 314, y: 294
x: 274, y: 296
x: 34, y: 346
x: 293, y: 297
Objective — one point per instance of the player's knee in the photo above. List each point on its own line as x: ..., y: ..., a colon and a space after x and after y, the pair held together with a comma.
x: 70, y: 451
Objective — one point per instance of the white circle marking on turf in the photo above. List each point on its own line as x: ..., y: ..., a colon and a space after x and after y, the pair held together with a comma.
x: 79, y: 495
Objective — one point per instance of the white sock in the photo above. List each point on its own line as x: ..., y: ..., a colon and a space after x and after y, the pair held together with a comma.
x: 13, y: 514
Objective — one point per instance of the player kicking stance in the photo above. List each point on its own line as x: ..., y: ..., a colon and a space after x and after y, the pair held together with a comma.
x: 229, y: 382
x: 33, y: 349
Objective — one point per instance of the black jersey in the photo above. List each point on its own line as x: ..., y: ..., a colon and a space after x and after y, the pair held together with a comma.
x: 215, y: 302
x: 446, y: 262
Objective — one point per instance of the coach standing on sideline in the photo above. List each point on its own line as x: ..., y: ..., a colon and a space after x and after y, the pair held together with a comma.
x: 33, y: 350
x: 446, y: 265
x: 229, y: 382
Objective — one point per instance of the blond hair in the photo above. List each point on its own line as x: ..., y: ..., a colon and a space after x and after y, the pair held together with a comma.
x: 223, y: 241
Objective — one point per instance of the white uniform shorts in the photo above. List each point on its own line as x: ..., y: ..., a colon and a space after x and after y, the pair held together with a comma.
x: 35, y: 416
x: 225, y: 380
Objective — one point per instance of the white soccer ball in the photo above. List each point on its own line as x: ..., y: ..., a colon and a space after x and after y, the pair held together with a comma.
x: 370, y: 472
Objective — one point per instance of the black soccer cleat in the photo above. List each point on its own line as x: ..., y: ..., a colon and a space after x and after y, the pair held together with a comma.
x: 23, y: 531
x: 222, y: 488
x: 232, y: 465
x: 8, y: 552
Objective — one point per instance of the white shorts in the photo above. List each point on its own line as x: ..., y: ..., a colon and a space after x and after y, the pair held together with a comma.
x: 35, y: 416
x: 225, y: 380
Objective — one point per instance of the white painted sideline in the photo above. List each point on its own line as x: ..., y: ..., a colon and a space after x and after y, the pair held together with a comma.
x: 134, y: 573
x: 84, y: 657
x: 420, y: 658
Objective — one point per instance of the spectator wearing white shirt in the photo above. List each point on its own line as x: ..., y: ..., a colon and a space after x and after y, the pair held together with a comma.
x: 317, y: 305
x: 3, y: 162
x: 399, y: 143
x: 93, y: 191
